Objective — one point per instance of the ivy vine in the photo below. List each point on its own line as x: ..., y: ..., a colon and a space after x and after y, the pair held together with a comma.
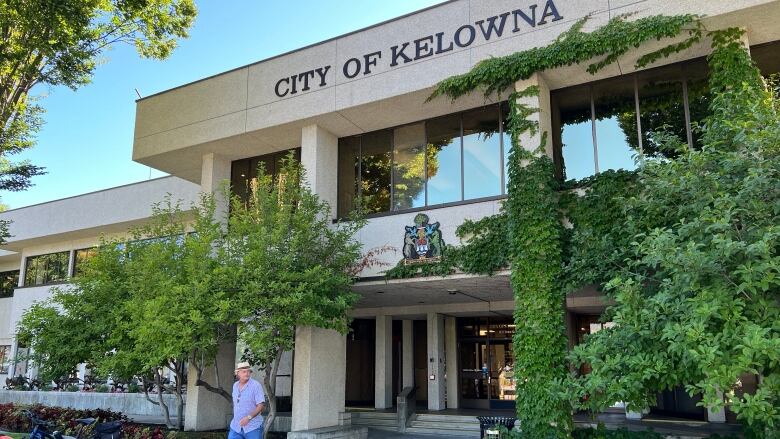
x: 528, y: 234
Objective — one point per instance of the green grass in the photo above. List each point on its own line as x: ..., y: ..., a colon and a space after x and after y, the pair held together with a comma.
x: 15, y: 435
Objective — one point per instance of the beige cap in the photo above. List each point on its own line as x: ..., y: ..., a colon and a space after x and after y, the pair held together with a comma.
x: 242, y: 365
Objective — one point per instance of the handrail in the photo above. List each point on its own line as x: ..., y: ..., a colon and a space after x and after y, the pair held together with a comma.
x: 406, y: 404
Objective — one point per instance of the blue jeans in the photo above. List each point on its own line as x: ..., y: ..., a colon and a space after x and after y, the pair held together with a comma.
x: 254, y: 434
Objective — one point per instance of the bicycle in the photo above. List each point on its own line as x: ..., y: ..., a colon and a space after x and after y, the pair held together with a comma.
x: 42, y: 429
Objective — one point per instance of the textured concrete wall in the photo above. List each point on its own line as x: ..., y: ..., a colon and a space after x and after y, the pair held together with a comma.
x: 131, y: 404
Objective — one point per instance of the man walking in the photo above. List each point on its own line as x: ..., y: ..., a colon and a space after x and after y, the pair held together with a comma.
x: 248, y: 404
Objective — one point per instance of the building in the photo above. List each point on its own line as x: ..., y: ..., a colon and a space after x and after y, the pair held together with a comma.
x: 354, y: 110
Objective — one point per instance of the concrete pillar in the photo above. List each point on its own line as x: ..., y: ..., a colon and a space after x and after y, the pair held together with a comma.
x: 436, y: 385
x: 383, y: 363
x: 319, y: 376
x: 543, y: 116
x: 319, y: 157
x: 717, y: 415
x: 206, y: 410
x: 407, y: 353
x: 451, y: 352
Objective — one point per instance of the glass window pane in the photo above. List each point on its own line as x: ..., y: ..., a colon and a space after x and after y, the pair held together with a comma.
x: 576, y: 137
x: 616, y: 133
x: 444, y: 167
x: 409, y: 166
x: 481, y: 153
x: 375, y: 166
x: 661, y: 109
x: 349, y: 167
x: 507, y: 140
x: 239, y: 178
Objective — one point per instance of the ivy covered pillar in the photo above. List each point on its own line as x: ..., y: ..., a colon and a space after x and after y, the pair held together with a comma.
x: 535, y: 228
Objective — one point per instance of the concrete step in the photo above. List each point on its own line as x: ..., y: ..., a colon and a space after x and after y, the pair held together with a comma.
x: 445, y: 418
x: 372, y: 422
x: 447, y: 425
x: 373, y: 415
x: 442, y: 432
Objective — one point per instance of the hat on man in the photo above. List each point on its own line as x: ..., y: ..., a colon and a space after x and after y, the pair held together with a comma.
x: 242, y: 365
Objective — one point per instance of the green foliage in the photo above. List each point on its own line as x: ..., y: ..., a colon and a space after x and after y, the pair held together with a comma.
x: 290, y: 266
x: 533, y: 209
x: 59, y: 43
x: 621, y: 433
x: 697, y: 295
x: 606, y: 44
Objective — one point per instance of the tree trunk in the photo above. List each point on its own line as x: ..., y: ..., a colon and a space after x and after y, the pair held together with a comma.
x: 179, y: 373
x: 199, y: 364
x: 161, y: 400
x: 269, y: 386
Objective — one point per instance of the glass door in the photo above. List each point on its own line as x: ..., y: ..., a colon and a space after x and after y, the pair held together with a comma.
x: 486, y: 366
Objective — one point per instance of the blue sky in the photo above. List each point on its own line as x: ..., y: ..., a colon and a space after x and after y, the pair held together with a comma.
x: 86, y: 142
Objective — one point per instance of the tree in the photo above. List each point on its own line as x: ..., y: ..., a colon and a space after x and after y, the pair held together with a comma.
x: 292, y: 267
x: 53, y: 43
x: 141, y: 306
x: 697, y: 292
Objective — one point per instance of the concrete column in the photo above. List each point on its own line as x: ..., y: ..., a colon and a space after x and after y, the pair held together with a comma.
x: 319, y: 375
x: 407, y: 353
x: 319, y: 157
x: 436, y: 386
x: 717, y: 415
x: 383, y: 363
x: 206, y: 410
x: 451, y: 352
x: 543, y: 116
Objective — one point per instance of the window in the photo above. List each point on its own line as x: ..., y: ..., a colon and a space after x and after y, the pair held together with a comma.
x: 445, y: 179
x: 5, y: 359
x: 598, y: 128
x: 8, y: 281
x: 244, y: 170
x: 443, y: 160
x: 80, y: 257
x: 481, y: 153
x: 46, y: 269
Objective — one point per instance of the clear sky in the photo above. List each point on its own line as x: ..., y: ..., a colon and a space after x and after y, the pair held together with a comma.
x: 86, y: 142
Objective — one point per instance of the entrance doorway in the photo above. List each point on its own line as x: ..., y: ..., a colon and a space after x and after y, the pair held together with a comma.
x: 486, y: 363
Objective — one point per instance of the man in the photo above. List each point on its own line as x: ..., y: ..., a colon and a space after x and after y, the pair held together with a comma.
x: 248, y: 404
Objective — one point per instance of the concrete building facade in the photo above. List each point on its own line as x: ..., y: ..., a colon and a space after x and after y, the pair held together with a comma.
x: 354, y: 111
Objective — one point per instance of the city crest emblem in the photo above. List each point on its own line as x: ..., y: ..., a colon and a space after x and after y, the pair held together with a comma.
x: 422, y: 241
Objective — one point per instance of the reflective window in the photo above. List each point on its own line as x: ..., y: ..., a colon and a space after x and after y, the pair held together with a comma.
x: 661, y: 109
x: 45, y: 269
x: 9, y: 280
x: 481, y: 153
x: 616, y: 131
x: 506, y: 140
x: 409, y: 166
x: 444, y: 166
x: 375, y: 164
x: 243, y: 171
x: 448, y: 159
x: 576, y: 132
x: 5, y: 359
x: 596, y: 127
x: 80, y: 257
x: 349, y: 170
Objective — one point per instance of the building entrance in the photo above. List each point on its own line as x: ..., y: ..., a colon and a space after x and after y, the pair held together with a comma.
x: 486, y: 365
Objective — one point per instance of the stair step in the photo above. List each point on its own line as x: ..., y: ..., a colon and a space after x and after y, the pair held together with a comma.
x: 373, y: 415
x: 446, y: 418
x: 446, y: 426
x: 388, y: 422
x: 440, y: 432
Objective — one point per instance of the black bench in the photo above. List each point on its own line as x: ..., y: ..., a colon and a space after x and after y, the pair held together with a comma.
x: 486, y: 422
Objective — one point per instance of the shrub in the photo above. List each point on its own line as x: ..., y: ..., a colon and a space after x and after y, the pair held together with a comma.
x: 12, y: 417
x: 621, y: 433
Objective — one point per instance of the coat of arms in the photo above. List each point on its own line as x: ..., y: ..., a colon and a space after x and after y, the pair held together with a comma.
x: 422, y: 241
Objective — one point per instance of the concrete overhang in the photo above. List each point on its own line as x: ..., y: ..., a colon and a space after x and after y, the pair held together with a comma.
x: 236, y: 113
x: 93, y: 214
